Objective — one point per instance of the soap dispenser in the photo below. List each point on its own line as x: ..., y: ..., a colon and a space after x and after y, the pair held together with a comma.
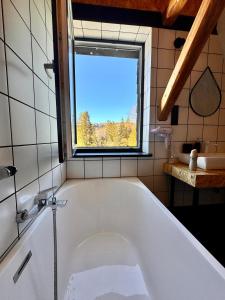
x: 193, y: 160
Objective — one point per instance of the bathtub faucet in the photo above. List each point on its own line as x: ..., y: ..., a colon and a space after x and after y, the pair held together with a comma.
x: 43, y: 199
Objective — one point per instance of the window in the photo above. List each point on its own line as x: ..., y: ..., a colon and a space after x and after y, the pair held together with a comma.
x: 109, y: 87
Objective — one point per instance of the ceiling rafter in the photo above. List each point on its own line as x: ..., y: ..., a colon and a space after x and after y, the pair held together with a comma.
x: 201, y: 29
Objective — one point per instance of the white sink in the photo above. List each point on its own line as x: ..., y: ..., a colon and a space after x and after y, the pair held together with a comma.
x: 206, y: 161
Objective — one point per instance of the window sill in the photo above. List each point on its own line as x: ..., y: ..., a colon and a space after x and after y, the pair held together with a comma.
x: 111, y: 154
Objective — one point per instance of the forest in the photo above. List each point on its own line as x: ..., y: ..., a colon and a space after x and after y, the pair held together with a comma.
x: 108, y: 134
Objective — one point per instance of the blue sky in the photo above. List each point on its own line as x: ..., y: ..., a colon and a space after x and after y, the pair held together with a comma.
x: 106, y: 87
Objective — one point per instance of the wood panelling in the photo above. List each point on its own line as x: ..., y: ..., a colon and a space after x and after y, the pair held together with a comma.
x: 190, y: 9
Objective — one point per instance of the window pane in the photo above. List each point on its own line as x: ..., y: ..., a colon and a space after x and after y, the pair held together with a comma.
x: 106, y: 101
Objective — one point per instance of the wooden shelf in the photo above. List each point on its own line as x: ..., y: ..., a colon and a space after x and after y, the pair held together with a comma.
x: 199, y: 178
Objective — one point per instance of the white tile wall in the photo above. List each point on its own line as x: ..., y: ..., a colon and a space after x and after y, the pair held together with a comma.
x: 5, y: 138
x: 43, y: 128
x: 44, y: 158
x: 25, y: 21
x: 20, y: 79
x: 160, y: 58
x: 111, y: 168
x: 20, y: 43
x: 23, y: 121
x: 22, y: 6
x: 1, y: 25
x: 75, y: 169
x: 93, y: 169
x: 7, y: 186
x: 3, y: 82
x: 26, y: 163
x: 41, y: 95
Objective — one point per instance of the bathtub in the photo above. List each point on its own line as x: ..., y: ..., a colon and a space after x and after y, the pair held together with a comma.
x: 115, y: 241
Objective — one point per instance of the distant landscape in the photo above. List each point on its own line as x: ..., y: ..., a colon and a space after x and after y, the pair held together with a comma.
x: 107, y: 134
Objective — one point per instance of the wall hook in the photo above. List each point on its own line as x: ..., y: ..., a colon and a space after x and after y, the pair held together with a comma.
x: 49, y: 66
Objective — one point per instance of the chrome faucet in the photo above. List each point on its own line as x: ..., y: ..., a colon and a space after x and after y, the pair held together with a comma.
x: 7, y: 171
x: 43, y: 199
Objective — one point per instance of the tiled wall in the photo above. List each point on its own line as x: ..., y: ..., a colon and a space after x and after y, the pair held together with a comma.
x: 28, y: 125
x: 191, y: 126
x: 118, y: 166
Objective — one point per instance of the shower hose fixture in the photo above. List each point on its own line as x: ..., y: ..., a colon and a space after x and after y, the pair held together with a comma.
x: 164, y: 132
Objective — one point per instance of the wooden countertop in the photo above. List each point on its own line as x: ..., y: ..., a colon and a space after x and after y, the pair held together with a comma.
x: 199, y: 178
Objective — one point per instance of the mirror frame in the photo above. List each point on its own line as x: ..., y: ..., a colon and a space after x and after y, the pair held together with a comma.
x: 220, y: 94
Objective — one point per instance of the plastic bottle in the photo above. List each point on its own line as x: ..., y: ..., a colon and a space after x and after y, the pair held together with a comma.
x: 193, y: 160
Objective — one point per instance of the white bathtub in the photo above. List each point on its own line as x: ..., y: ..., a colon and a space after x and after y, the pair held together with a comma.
x: 115, y: 241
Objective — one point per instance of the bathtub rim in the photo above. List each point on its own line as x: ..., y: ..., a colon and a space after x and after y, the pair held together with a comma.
x: 11, y: 253
x: 214, y: 263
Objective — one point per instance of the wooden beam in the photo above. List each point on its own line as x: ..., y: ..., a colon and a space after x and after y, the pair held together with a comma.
x: 174, y: 9
x: 201, y: 29
x: 146, y: 5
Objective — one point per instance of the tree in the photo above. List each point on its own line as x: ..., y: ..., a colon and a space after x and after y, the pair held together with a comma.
x: 123, y: 133
x: 111, y: 133
x: 85, y: 131
x: 132, y: 140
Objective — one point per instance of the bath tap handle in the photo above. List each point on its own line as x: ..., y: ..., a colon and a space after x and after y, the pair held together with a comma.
x: 42, y: 197
x: 7, y: 171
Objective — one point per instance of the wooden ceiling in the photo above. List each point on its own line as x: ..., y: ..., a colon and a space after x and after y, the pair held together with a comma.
x: 189, y: 9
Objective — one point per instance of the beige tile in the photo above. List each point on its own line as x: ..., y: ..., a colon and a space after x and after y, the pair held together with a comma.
x: 111, y: 27
x: 141, y: 38
x: 127, y: 36
x: 110, y: 35
x: 210, y: 133
x: 145, y: 30
x: 91, y: 25
x: 111, y: 168
x: 166, y: 38
x: 214, y: 44
x: 215, y: 62
x: 128, y: 167
x: 183, y: 115
x: 163, y: 76
x: 145, y: 167
x: 93, y: 169
x: 194, y: 132
x: 179, y: 133
x: 166, y: 58
x: 222, y: 117
x: 201, y: 63
x: 194, y: 119
x: 129, y: 28
x: 92, y: 33
x: 75, y: 169
x: 77, y: 23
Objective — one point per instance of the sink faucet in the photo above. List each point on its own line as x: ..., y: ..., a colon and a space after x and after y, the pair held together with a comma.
x: 208, y: 144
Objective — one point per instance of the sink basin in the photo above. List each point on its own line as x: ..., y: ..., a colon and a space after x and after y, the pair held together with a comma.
x: 206, y: 161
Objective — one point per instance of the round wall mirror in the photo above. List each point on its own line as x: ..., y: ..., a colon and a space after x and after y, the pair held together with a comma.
x: 205, y: 96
